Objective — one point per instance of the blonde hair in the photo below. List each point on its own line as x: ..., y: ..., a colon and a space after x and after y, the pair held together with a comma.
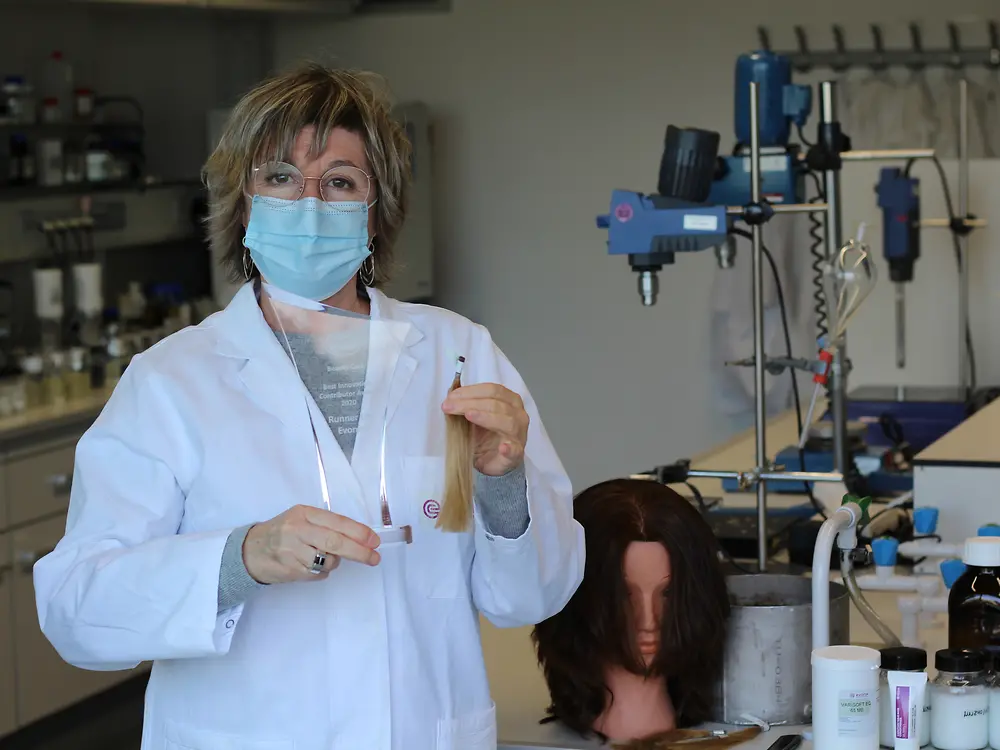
x: 263, y: 126
x: 456, y: 509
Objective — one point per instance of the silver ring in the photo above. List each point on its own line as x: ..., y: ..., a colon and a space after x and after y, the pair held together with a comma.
x: 318, y: 562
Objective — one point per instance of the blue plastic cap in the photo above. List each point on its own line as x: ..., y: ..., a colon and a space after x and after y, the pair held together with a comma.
x: 925, y: 520
x: 603, y: 221
x: 884, y: 551
x: 990, y: 529
x: 951, y: 571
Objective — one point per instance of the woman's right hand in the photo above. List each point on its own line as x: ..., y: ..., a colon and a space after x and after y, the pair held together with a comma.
x: 282, y: 550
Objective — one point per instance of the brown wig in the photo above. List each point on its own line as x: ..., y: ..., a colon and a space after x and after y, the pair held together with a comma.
x: 594, y: 631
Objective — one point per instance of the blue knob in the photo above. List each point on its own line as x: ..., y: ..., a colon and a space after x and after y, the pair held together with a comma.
x: 990, y: 529
x: 884, y: 550
x: 925, y: 520
x: 951, y: 571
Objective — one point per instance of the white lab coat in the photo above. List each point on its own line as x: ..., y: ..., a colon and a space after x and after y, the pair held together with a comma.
x: 208, y: 431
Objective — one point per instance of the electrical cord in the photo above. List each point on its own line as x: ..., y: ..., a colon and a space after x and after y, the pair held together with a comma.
x: 788, y: 351
x: 953, y: 218
x: 818, y: 253
x: 700, y: 501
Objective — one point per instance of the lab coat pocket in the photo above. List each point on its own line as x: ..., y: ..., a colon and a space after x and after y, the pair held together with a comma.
x: 435, y: 563
x: 475, y: 731
x: 182, y: 737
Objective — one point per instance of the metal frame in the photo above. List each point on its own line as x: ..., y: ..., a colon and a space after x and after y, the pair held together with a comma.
x: 841, y: 58
x: 833, y: 232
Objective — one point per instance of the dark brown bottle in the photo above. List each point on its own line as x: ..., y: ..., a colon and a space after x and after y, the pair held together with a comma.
x: 974, y: 601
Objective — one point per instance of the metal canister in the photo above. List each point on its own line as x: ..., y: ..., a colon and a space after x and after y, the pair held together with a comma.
x: 768, y: 673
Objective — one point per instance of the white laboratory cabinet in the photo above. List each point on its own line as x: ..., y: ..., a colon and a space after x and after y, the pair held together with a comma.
x: 36, y: 470
x: 414, y: 277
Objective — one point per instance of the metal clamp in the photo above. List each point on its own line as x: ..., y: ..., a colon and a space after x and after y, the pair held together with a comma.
x: 777, y: 365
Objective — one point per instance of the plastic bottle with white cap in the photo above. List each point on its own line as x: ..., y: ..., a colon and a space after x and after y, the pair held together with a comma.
x: 845, y: 698
x: 974, y: 601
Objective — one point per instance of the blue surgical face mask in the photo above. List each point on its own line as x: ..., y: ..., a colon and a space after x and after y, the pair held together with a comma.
x: 307, y: 247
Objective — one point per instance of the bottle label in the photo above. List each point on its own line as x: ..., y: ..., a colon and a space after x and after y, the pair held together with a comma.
x: 857, y: 716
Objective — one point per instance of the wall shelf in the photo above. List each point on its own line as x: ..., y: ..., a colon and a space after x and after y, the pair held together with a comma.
x: 14, y: 193
x: 66, y: 129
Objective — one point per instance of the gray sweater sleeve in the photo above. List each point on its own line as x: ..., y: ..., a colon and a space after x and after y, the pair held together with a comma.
x: 502, y: 503
x: 236, y: 585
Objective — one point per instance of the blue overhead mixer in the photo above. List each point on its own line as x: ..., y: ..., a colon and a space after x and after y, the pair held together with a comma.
x: 782, y: 106
x: 698, y: 193
x: 699, y: 199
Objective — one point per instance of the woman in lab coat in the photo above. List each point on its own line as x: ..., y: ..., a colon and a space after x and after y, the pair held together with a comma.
x: 197, y: 536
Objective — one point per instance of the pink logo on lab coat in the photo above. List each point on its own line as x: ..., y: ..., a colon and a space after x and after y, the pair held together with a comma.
x: 432, y: 509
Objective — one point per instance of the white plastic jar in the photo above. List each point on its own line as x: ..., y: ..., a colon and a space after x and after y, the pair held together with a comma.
x: 901, y: 659
x: 960, y: 701
x: 994, y: 688
x: 845, y: 698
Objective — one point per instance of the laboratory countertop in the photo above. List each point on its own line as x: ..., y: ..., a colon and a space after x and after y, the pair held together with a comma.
x: 521, y: 696
x: 517, y: 683
x: 972, y: 443
x: 40, y: 419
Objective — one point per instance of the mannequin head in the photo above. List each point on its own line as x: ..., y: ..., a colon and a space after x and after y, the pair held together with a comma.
x: 653, y: 602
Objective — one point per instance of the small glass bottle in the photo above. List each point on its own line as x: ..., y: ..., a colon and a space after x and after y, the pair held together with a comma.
x: 901, y: 659
x: 974, y: 600
x: 117, y: 359
x: 55, y: 379
x: 960, y: 700
x: 34, y: 381
x: 78, y: 376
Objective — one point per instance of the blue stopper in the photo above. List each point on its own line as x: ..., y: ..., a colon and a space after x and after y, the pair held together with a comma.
x: 925, y: 520
x: 990, y: 529
x: 951, y: 571
x: 884, y: 550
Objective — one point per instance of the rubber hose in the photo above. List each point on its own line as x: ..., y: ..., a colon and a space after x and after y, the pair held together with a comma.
x: 871, y: 617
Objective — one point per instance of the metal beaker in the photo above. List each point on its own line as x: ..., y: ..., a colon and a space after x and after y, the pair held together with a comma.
x: 768, y: 671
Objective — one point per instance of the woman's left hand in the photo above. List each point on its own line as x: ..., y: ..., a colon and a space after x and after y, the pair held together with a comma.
x: 499, y: 425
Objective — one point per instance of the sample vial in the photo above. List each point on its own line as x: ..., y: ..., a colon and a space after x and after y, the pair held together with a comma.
x: 974, y: 601
x: 960, y: 701
x: 55, y: 379
x: 78, y: 377
x: 901, y: 659
x: 845, y: 698
x: 34, y: 381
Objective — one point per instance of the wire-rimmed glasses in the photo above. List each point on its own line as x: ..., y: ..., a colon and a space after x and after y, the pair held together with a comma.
x: 340, y: 184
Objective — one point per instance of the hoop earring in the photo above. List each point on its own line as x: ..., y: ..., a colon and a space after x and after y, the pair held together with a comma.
x: 247, y: 264
x: 367, y: 275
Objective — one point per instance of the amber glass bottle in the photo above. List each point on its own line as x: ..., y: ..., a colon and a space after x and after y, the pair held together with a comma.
x: 974, y: 601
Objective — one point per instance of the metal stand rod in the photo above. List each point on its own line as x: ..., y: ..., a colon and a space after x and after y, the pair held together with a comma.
x: 833, y: 232
x: 771, y: 476
x: 964, y: 369
x: 887, y: 154
x: 946, y: 223
x: 760, y: 415
x: 783, y: 208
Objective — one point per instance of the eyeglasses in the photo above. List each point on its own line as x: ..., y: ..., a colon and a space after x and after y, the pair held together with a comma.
x: 277, y: 179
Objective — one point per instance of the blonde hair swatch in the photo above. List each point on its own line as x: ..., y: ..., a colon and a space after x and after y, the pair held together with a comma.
x: 456, y: 509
